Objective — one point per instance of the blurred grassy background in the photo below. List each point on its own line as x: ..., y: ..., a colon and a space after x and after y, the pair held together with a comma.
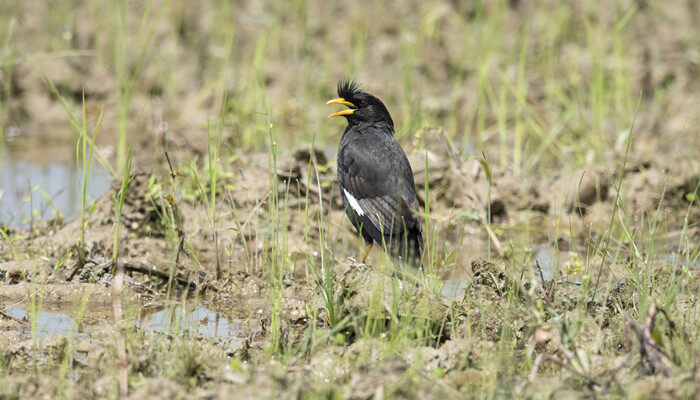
x: 538, y: 85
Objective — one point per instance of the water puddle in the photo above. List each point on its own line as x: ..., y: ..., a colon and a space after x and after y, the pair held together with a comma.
x: 201, y: 320
x: 455, y: 285
x: 33, y: 188
x: 47, y: 323
x: 454, y: 288
x: 546, y: 257
x: 674, y: 258
x: 176, y: 319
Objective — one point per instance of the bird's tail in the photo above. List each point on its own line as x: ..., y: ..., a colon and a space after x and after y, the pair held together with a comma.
x: 410, y: 248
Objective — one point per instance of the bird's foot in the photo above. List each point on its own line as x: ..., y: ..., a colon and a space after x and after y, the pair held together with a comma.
x: 354, y: 261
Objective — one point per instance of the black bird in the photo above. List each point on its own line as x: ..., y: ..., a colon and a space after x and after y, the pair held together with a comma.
x: 375, y: 177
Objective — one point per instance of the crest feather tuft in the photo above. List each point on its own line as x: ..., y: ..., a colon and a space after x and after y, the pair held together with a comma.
x: 348, y: 88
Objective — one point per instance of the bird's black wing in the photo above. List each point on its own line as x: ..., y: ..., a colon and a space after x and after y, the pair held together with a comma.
x: 377, y: 184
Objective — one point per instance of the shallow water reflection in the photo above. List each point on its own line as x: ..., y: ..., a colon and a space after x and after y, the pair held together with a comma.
x: 454, y: 288
x: 34, y: 188
x: 47, y: 323
x: 546, y: 256
x: 201, y: 320
x: 172, y: 320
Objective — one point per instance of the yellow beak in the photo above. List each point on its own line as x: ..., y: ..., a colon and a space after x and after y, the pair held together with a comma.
x: 340, y: 100
x: 341, y: 113
x: 344, y: 102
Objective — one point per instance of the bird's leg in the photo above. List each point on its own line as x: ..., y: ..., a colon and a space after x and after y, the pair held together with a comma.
x: 367, y: 249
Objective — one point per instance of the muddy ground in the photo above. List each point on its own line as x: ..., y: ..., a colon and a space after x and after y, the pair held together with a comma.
x: 468, y: 310
x: 541, y: 282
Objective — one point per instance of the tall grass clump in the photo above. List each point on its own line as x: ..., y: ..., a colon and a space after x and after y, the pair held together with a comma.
x: 84, y: 152
x: 274, y: 247
x: 208, y: 192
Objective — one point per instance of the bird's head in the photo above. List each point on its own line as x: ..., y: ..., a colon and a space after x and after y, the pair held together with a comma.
x: 362, y: 106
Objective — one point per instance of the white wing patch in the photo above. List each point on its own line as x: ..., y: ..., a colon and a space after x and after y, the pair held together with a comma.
x: 354, y: 203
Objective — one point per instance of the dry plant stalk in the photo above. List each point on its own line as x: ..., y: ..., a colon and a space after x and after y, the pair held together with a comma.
x: 122, y: 361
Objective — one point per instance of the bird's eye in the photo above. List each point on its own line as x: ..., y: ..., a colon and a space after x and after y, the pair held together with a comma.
x: 363, y: 103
